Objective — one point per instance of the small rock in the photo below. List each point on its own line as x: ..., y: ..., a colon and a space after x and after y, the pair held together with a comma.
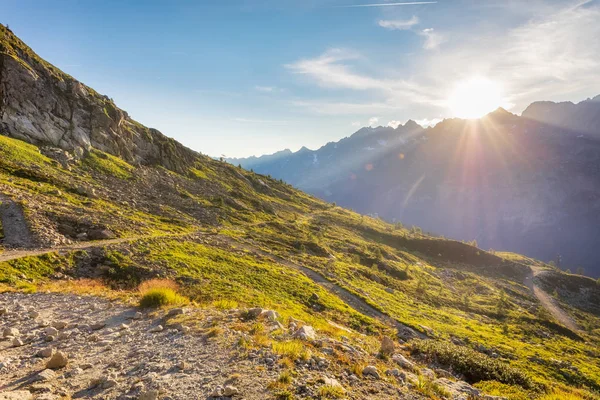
x: 16, y: 342
x: 182, y: 365
x: 217, y: 392
x: 157, y: 328
x: 45, y: 376
x: 108, y: 383
x: 230, y: 391
x: 149, y: 395
x: 138, y: 315
x: 427, y: 373
x: 51, y: 331
x: 58, y: 360
x: 372, y: 371
x: 307, y: 332
x: 270, y: 315
x: 403, y: 362
x: 175, y: 311
x: 60, y: 324
x: 46, y: 352
x: 16, y: 395
x: 34, y: 314
x: 97, y: 326
x: 8, y: 332
x: 255, y: 312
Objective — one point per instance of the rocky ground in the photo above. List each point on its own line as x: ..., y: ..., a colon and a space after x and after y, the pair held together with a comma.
x: 61, y: 346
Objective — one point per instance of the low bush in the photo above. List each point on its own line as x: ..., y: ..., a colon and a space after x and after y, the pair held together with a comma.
x: 159, y: 293
x: 473, y: 365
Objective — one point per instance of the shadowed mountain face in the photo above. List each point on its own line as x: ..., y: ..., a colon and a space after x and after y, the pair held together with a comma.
x: 529, y: 183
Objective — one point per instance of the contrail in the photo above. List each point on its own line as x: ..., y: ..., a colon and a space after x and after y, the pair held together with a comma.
x: 411, y: 3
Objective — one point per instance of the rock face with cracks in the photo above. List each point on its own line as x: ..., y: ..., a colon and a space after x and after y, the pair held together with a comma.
x: 42, y: 105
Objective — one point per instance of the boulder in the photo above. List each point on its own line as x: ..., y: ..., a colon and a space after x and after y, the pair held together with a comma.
x: 100, y: 234
x: 307, y: 332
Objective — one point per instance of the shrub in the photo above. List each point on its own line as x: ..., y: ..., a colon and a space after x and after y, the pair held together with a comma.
x: 294, y: 349
x: 331, y: 392
x: 160, y: 293
x: 473, y: 365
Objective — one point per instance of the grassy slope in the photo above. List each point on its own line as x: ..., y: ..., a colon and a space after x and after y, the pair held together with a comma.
x: 484, y: 306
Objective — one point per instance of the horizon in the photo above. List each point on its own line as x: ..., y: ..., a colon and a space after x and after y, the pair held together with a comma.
x: 252, y: 78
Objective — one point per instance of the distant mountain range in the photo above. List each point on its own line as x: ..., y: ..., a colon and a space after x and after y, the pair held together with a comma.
x: 529, y: 183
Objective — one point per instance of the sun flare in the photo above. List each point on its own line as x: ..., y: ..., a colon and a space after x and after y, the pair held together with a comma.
x: 475, y: 97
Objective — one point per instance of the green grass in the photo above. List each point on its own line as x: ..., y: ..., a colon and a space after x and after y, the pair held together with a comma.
x: 161, y: 297
x: 108, y: 164
x: 474, y: 365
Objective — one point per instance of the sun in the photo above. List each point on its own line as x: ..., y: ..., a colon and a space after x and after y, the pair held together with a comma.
x: 475, y: 97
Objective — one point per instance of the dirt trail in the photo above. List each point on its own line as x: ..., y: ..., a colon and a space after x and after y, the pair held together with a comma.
x: 345, y: 295
x: 547, y: 301
x: 14, y: 224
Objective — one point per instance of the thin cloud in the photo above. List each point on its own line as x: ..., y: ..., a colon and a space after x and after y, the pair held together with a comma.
x: 373, y: 121
x: 260, y: 121
x: 399, y: 24
x: 267, y: 89
x: 433, y: 39
x: 410, y: 3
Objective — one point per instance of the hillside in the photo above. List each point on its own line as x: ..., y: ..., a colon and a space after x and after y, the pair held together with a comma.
x: 267, y: 292
x: 527, y: 184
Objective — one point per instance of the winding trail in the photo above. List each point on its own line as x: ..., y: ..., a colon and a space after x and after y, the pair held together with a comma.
x: 352, y: 300
x: 547, y: 301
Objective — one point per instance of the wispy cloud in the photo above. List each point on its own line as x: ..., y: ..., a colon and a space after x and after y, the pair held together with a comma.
x: 394, y: 124
x: 373, y: 122
x: 399, y: 24
x: 267, y: 89
x: 408, y: 3
x: 433, y: 39
x: 260, y: 121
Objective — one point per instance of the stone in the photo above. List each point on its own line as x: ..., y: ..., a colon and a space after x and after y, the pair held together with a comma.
x: 458, y: 389
x: 371, y: 370
x: 387, y: 346
x: 16, y: 342
x: 175, y: 311
x: 108, y: 383
x: 331, y: 382
x: 217, y: 392
x: 45, y: 352
x: 45, y: 376
x: 255, y: 312
x: 307, y: 332
x: 97, y: 326
x: 403, y: 362
x: 230, y: 391
x: 10, y: 332
x: 16, y: 395
x: 34, y: 314
x: 138, y: 315
x: 182, y: 328
x: 60, y: 325
x: 393, y: 372
x: 182, y: 365
x: 99, y: 234
x: 149, y: 395
x: 270, y: 315
x: 428, y: 373
x: 157, y: 328
x: 50, y: 338
x: 58, y: 360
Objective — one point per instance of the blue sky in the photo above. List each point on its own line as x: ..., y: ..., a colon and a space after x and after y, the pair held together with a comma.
x: 244, y: 77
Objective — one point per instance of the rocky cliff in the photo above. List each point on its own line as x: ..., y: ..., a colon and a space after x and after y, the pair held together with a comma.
x: 42, y: 105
